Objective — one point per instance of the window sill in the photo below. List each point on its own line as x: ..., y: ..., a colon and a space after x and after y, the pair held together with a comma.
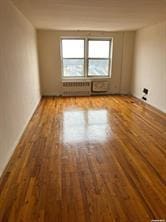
x: 86, y: 78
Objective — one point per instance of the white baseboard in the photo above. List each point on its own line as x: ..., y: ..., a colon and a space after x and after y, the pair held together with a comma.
x: 150, y: 104
x: 9, y: 155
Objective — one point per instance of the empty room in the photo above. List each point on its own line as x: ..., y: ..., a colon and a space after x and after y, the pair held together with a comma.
x: 82, y: 111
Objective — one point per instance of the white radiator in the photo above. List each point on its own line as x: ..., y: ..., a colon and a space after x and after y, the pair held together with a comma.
x: 76, y: 88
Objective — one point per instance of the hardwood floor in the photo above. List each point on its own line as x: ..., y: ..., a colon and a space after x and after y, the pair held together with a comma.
x: 89, y: 159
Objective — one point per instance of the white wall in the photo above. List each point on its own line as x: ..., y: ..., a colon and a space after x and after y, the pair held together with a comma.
x: 50, y: 61
x: 150, y: 65
x: 19, y: 79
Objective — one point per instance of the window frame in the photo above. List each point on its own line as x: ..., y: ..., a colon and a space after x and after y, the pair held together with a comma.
x: 86, y: 57
x: 62, y: 72
x: 89, y: 58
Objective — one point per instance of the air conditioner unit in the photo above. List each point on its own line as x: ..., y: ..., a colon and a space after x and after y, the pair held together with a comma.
x: 76, y: 88
x: 100, y: 86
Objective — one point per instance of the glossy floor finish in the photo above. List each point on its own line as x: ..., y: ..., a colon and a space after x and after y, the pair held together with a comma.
x: 94, y: 159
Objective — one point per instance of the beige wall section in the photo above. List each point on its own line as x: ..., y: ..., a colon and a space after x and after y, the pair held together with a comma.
x: 50, y: 61
x: 19, y: 80
x: 127, y: 62
x: 150, y: 65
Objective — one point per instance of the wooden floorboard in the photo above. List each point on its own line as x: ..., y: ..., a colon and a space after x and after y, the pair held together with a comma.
x: 88, y: 159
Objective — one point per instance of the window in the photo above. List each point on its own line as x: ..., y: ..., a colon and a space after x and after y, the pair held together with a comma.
x: 86, y: 58
x: 73, y: 57
x: 98, y: 57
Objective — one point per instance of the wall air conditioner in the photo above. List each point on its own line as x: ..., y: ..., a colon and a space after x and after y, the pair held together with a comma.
x: 76, y: 88
x: 100, y: 86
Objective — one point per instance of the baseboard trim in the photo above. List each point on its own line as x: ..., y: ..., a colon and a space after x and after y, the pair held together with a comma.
x: 146, y: 104
x: 4, y: 168
x: 92, y: 94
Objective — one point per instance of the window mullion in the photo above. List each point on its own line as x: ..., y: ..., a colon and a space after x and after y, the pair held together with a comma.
x: 109, y: 66
x: 86, y: 58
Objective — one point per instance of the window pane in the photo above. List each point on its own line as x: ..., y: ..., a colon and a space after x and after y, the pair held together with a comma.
x: 98, y: 49
x: 73, y: 48
x: 73, y: 67
x: 98, y: 67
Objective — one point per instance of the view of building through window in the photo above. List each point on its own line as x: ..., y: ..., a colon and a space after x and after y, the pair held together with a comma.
x: 86, y: 58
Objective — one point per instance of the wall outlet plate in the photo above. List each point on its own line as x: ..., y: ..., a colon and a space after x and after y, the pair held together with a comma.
x: 144, y: 98
x: 145, y: 91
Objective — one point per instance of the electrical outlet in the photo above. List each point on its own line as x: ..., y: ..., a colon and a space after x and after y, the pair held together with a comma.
x: 145, y: 91
x: 144, y: 98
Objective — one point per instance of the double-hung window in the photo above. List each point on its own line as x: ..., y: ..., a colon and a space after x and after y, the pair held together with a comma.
x: 98, y: 57
x: 73, y: 57
x: 86, y: 57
